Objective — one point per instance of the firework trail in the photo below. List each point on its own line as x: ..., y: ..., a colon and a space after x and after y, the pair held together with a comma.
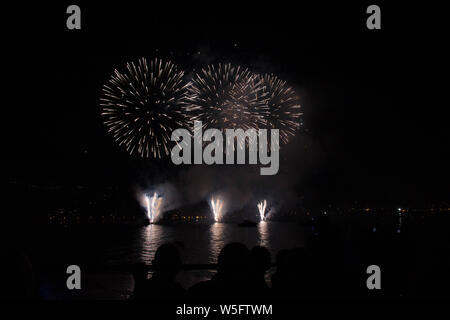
x: 153, y: 207
x: 224, y: 96
x: 283, y: 107
x: 262, y: 209
x: 143, y: 105
x: 217, y: 206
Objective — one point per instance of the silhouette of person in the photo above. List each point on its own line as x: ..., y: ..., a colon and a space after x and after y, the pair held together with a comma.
x: 232, y: 277
x: 260, y: 263
x: 294, y: 276
x: 301, y: 275
x: 162, y: 284
x: 280, y: 279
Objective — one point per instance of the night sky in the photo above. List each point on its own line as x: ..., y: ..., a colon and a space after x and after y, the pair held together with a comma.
x: 372, y: 100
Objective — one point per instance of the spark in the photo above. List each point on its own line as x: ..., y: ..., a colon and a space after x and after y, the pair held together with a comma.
x: 283, y: 107
x: 154, y: 207
x: 225, y: 96
x: 217, y: 206
x: 143, y: 105
x: 262, y: 209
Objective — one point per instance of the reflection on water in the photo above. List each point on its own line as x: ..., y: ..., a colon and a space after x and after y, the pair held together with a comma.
x: 263, y: 234
x: 202, y: 243
x: 217, y: 240
x: 152, y: 236
x: 199, y: 244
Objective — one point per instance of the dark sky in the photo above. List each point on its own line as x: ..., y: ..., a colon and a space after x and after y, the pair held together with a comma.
x: 372, y: 99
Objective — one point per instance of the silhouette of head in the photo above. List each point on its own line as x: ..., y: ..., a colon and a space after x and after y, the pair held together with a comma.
x: 167, y: 260
x: 298, y: 260
x: 233, y: 259
x: 261, y: 259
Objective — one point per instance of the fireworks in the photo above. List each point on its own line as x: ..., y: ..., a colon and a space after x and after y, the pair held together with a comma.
x: 153, y: 207
x: 217, y: 206
x: 227, y: 96
x: 283, y: 107
x: 262, y: 209
x: 143, y: 105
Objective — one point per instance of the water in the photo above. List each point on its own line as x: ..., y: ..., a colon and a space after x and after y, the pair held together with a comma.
x: 96, y: 250
x: 202, y: 243
x: 106, y: 253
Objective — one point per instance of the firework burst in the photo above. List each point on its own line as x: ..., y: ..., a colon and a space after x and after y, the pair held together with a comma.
x: 227, y: 97
x: 143, y: 105
x: 284, y: 110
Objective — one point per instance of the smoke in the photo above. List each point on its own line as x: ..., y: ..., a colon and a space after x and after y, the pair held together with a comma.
x: 170, y: 194
x: 242, y: 185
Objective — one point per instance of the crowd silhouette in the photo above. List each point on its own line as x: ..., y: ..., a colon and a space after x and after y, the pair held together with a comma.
x: 162, y: 284
x: 330, y: 265
x: 241, y: 273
